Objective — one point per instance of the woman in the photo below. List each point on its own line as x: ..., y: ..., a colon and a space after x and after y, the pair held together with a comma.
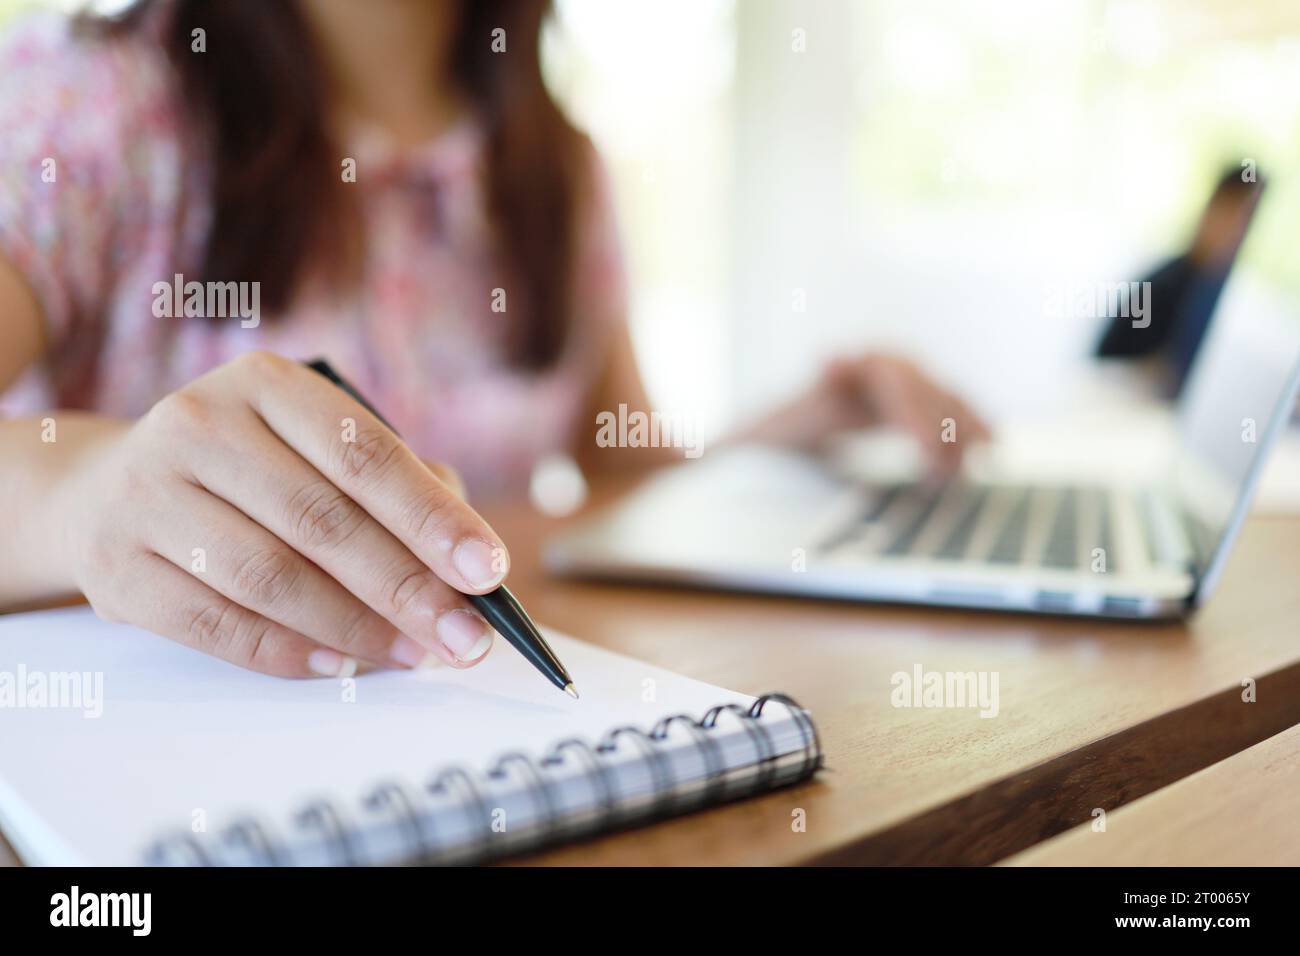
x: 387, y: 184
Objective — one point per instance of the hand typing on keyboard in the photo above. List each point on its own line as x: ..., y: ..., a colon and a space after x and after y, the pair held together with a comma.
x: 877, y: 389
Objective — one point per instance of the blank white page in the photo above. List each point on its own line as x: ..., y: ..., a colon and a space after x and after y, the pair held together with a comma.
x: 182, y: 732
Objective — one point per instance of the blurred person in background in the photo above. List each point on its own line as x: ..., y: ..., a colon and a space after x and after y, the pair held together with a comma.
x: 1184, y: 290
x: 385, y: 184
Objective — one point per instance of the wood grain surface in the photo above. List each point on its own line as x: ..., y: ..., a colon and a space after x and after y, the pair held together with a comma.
x: 1242, y: 811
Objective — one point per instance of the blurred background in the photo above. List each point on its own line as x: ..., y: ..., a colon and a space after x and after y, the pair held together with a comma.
x: 800, y: 177
x: 797, y: 177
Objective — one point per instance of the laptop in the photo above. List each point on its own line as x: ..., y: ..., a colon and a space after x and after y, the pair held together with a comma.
x: 765, y: 520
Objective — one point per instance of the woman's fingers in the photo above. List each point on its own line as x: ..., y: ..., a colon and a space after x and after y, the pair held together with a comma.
x: 898, y: 393
x: 974, y: 427
x: 887, y: 388
x: 370, y: 464
x: 282, y: 527
x: 241, y: 560
x: 277, y: 490
x: 939, y: 428
x: 448, y: 476
x: 175, y: 604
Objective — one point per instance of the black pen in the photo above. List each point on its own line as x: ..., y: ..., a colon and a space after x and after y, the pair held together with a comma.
x: 502, y: 610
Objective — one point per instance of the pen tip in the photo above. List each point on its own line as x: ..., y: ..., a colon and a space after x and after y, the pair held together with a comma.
x: 571, y: 691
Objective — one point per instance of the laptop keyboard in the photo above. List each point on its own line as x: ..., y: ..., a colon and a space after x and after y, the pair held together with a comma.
x: 959, y: 536
x: 1010, y: 542
x: 1062, y: 550
x: 1000, y: 524
x: 923, y: 508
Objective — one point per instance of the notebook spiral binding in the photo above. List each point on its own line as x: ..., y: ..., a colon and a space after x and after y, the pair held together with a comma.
x: 411, y: 828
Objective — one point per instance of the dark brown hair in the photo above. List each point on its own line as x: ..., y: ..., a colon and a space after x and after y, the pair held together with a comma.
x: 278, y: 198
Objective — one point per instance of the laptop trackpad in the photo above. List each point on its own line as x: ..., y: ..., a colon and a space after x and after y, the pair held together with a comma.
x: 748, y: 502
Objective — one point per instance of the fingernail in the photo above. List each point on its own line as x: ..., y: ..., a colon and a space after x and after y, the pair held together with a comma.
x: 329, y: 663
x: 407, y: 652
x: 465, y: 634
x: 482, y: 565
x: 478, y: 650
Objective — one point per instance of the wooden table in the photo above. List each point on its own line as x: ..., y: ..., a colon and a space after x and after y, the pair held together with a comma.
x: 1242, y: 811
x: 1092, y: 714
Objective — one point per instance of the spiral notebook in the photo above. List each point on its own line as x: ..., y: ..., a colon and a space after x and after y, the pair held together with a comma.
x: 120, y: 747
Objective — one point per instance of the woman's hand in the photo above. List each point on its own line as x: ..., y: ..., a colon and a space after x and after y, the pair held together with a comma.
x: 876, y: 389
x: 261, y: 515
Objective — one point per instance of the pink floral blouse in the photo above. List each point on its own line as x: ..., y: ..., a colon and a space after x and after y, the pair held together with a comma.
x: 102, y: 197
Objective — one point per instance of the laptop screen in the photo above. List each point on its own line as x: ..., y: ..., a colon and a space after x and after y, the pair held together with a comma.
x: 1241, y: 390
